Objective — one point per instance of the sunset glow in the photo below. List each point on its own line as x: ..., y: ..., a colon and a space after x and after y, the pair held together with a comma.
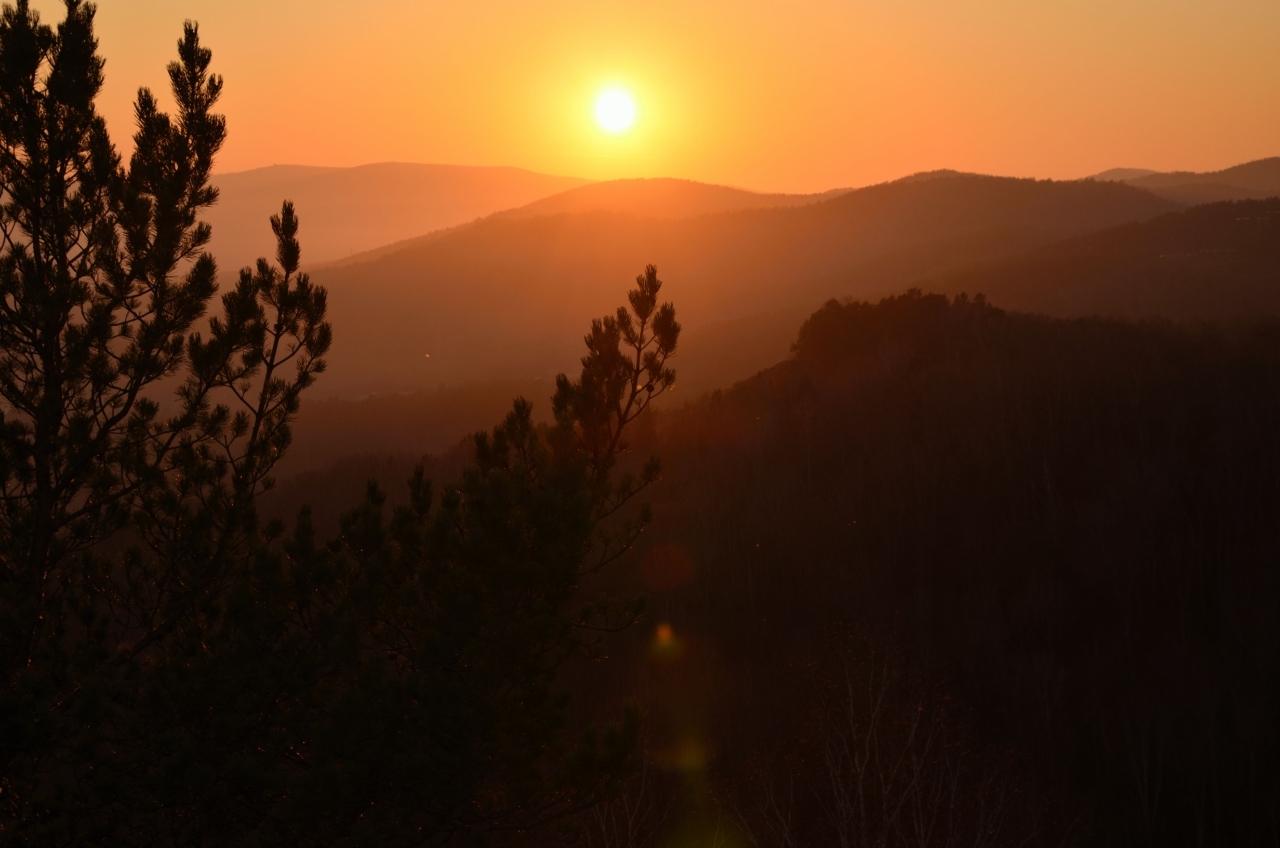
x: 768, y: 96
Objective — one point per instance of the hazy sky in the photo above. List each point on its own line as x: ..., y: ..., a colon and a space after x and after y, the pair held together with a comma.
x: 801, y: 95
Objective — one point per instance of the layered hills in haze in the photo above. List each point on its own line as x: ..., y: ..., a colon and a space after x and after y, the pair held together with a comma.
x: 664, y: 198
x: 347, y: 210
x: 507, y: 296
x: 1252, y: 180
x: 443, y: 328
x: 649, y: 198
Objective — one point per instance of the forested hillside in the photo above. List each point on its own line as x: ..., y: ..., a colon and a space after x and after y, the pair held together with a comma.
x: 1065, y: 531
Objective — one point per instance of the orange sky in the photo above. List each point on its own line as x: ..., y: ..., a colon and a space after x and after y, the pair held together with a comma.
x: 801, y: 95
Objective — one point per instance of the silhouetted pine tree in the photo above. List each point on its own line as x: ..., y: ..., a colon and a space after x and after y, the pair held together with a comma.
x: 132, y: 446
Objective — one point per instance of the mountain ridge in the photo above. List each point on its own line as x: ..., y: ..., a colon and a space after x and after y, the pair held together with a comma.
x: 1255, y: 180
x: 411, y: 318
x: 664, y: 198
x: 1210, y: 262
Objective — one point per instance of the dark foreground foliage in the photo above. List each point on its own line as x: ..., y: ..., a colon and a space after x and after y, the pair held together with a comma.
x: 178, y: 671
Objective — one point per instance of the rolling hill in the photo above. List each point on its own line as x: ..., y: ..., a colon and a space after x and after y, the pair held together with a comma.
x: 1250, y: 181
x: 1218, y: 261
x: 663, y: 198
x: 347, y: 210
x: 509, y: 296
x: 667, y: 199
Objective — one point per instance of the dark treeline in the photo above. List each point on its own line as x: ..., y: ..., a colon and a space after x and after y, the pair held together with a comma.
x: 1056, y: 539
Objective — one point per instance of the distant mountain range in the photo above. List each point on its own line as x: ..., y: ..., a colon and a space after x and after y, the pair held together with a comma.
x: 509, y: 296
x: 666, y: 199
x: 349, y: 210
x: 440, y: 329
x: 1250, y: 181
x: 447, y: 276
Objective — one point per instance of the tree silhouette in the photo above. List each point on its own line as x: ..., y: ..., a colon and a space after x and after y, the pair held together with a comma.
x: 132, y: 445
x: 442, y: 630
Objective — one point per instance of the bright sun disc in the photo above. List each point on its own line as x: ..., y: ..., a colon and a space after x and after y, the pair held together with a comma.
x: 615, y: 110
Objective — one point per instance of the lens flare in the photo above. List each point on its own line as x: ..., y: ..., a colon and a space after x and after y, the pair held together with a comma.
x: 615, y: 110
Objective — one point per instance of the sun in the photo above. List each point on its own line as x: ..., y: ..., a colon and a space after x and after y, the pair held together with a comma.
x: 615, y: 110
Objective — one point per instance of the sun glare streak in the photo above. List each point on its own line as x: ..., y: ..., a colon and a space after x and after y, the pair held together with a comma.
x: 615, y: 110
